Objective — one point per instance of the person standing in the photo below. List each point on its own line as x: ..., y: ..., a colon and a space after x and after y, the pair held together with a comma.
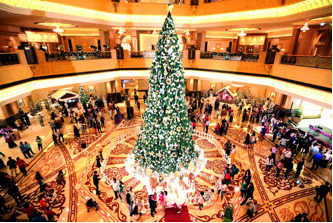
x: 115, y: 187
x: 289, y: 165
x: 21, y: 165
x: 207, y: 125
x: 102, y: 119
x: 233, y: 153
x: 262, y: 133
x: 61, y: 135
x: 41, y: 121
x: 96, y: 180
x: 269, y: 162
x: 287, y: 155
x: 29, y: 150
x: 138, y: 104
x: 322, y: 192
x: 279, y: 167
x: 76, y: 132
x: 24, y: 150
x: 130, y: 201
x: 299, y: 168
x: 275, y: 132
x: 54, y: 137
x: 243, y: 189
x: 152, y: 204
x: 12, y: 166
x: 231, y: 118
x: 98, y: 162
x: 249, y: 193
x: 316, y: 160
x: 222, y: 188
x: 194, y: 125
x: 39, y: 143
x: 144, y: 98
x: 273, y: 150
x: 201, y: 200
x: 14, y: 191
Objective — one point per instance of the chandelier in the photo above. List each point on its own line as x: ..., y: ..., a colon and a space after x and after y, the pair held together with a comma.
x: 154, y: 32
x: 187, y: 33
x: 305, y: 27
x: 58, y: 30
x: 241, y: 34
x: 121, y: 31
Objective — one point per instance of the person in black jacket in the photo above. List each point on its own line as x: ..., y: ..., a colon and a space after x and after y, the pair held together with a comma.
x: 152, y: 204
x: 249, y: 193
x: 289, y: 165
x: 301, y: 217
x: 96, y: 180
x: 322, y: 191
x: 14, y: 191
x: 299, y: 168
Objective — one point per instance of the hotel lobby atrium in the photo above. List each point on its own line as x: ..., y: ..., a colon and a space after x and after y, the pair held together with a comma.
x: 166, y: 110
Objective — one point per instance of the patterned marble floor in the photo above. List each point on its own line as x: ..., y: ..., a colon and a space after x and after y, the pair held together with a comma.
x: 280, y: 199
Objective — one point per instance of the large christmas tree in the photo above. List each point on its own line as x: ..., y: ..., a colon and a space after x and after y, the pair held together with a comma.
x: 83, y: 97
x: 165, y: 142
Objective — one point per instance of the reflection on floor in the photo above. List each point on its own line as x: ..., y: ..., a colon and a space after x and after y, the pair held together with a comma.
x: 279, y: 199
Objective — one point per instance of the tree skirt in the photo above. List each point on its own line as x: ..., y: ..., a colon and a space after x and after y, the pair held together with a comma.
x: 172, y: 216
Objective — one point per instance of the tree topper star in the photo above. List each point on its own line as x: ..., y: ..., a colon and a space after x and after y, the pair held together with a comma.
x: 170, y: 7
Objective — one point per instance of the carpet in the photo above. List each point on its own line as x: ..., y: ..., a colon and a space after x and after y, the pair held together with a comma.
x: 172, y: 216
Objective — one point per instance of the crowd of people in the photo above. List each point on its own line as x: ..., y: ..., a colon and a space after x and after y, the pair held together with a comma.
x: 288, y: 143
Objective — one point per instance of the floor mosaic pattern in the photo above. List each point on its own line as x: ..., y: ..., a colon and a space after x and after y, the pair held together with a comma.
x: 280, y: 199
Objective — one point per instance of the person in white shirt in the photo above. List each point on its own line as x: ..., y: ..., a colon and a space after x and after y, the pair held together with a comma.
x: 284, y: 142
x: 288, y: 155
x: 269, y: 162
x: 222, y: 188
x: 201, y: 200
x: 115, y: 187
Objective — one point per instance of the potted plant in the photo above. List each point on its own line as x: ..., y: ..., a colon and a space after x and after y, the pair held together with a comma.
x: 297, y: 117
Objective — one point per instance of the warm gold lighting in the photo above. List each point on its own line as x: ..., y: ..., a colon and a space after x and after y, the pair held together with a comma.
x: 56, y: 24
x: 241, y: 34
x: 121, y: 31
x: 242, y: 29
x: 58, y: 30
x: 234, y: 16
x: 305, y: 28
x: 302, y: 91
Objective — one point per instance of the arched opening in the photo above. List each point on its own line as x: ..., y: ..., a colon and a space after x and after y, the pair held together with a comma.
x: 182, y: 43
x: 324, y: 44
x: 125, y: 43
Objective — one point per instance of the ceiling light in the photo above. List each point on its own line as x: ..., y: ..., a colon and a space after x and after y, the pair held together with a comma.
x: 241, y: 34
x: 305, y: 27
x: 154, y: 32
x: 187, y: 33
x: 237, y: 85
x: 121, y: 31
x: 322, y: 24
x: 58, y: 30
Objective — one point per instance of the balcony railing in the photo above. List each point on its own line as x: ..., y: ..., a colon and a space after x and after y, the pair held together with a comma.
x: 144, y: 54
x: 308, y: 61
x: 70, y: 56
x: 230, y: 56
x: 8, y: 59
x: 211, y: 1
x: 178, y: 2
